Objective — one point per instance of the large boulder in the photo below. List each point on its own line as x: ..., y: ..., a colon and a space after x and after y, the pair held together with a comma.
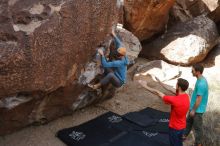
x: 45, y: 46
x: 92, y: 70
x: 215, y: 15
x: 146, y: 18
x: 131, y: 43
x: 211, y: 4
x: 186, y: 43
x: 184, y: 10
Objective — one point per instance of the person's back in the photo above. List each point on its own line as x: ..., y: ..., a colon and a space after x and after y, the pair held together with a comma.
x: 179, y: 108
x: 121, y: 71
x: 118, y: 77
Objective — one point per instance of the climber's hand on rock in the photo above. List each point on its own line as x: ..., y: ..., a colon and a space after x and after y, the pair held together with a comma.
x: 113, y: 31
x: 101, y: 52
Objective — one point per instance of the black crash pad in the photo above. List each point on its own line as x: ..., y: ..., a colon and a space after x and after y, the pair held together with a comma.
x: 150, y: 119
x: 97, y: 131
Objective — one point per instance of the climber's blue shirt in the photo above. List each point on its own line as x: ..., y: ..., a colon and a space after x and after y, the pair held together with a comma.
x: 201, y: 89
x: 120, y: 67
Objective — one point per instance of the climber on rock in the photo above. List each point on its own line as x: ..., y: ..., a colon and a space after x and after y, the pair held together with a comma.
x: 115, y: 70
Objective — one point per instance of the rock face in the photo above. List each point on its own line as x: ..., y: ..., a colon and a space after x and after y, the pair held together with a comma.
x: 131, y: 42
x: 157, y: 68
x: 215, y: 15
x: 186, y: 43
x: 146, y: 18
x: 44, y: 46
x: 92, y: 70
x: 184, y: 10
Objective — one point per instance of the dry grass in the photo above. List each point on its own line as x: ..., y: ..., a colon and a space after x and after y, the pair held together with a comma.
x: 211, y: 119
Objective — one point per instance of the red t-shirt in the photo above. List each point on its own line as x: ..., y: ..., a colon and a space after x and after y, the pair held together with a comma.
x: 179, y: 108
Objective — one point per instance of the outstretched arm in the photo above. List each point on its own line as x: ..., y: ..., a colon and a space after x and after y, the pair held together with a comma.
x: 166, y: 88
x: 116, y: 39
x: 154, y: 91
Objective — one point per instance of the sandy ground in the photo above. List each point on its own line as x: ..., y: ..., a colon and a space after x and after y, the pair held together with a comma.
x: 131, y: 97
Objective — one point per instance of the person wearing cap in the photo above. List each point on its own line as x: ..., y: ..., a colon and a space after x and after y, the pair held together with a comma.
x: 117, y: 76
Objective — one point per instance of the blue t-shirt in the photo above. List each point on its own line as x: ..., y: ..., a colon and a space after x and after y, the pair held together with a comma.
x: 120, y: 67
x: 201, y: 89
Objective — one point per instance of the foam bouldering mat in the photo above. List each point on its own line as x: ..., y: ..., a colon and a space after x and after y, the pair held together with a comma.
x: 97, y: 131
x: 150, y: 119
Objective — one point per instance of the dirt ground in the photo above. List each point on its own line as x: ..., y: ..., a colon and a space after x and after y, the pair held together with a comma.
x: 131, y: 97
